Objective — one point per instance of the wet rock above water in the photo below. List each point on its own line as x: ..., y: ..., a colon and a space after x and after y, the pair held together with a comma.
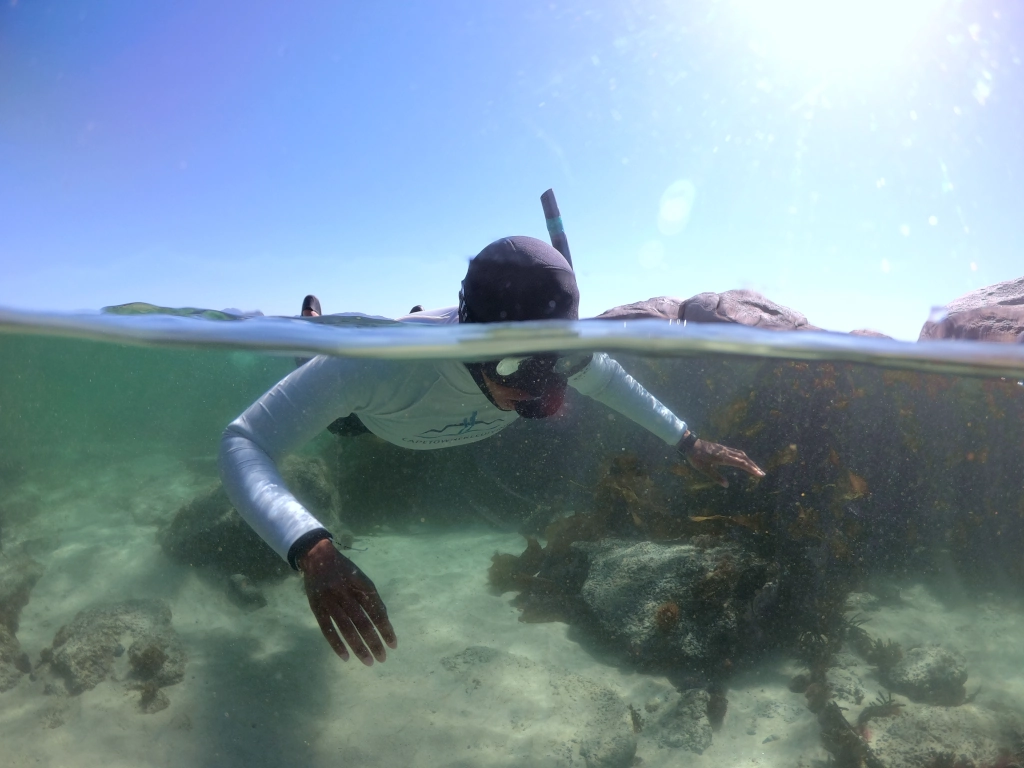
x: 740, y: 305
x: 671, y: 604
x: 209, y: 531
x: 1002, y: 324
x: 92, y: 648
x: 1007, y: 293
x: 575, y: 721
x: 992, y: 313
x: 17, y: 578
x: 869, y: 333
x: 931, y: 675
x: 657, y: 308
x: 744, y: 307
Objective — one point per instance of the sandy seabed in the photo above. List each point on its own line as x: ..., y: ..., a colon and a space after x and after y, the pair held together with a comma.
x: 262, y: 688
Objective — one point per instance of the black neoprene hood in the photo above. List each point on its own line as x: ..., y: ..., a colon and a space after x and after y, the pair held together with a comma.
x: 518, y: 278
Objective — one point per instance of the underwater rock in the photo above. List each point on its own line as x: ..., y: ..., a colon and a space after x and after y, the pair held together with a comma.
x: 1003, y: 324
x: 17, y: 577
x: 310, y: 481
x: 575, y: 721
x: 14, y: 662
x: 942, y: 736
x: 844, y: 682
x: 208, y: 531
x: 671, y: 604
x: 744, y: 307
x: 90, y: 648
x: 658, y: 308
x: 849, y: 746
x: 931, y: 674
x: 152, y: 699
x: 685, y: 725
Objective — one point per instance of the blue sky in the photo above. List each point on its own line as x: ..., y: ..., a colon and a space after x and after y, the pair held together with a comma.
x: 859, y: 167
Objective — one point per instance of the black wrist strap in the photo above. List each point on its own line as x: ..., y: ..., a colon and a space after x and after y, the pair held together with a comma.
x: 686, y: 444
x: 304, y: 543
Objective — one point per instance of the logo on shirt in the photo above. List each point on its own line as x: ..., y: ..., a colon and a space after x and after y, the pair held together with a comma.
x: 469, y: 424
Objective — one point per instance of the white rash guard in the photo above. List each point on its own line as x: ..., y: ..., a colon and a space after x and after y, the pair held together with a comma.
x: 421, y: 405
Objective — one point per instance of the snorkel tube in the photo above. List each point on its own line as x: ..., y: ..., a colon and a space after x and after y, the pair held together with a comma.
x: 553, y: 218
x: 523, y: 278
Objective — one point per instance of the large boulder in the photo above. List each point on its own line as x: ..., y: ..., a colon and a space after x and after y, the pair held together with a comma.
x: 1008, y: 293
x: 744, y: 307
x: 992, y: 313
x: 930, y: 674
x: 209, y: 531
x: 741, y: 306
x: 672, y: 605
x: 658, y: 308
x: 997, y: 323
x: 869, y: 333
x: 946, y: 736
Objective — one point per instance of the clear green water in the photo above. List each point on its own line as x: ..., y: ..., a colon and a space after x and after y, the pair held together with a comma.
x: 894, y: 496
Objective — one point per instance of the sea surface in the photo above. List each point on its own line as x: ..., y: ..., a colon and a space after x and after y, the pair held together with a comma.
x: 568, y: 593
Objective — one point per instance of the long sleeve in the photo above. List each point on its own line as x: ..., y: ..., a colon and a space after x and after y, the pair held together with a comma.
x: 422, y: 405
x: 605, y: 381
x: 290, y: 414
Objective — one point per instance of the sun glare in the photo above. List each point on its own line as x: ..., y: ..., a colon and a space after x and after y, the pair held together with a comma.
x: 835, y: 36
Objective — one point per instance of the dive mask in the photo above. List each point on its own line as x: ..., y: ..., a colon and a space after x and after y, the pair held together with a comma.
x: 544, y: 377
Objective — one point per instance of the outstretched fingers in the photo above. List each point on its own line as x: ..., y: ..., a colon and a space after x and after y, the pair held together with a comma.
x: 348, y: 627
x: 346, y: 605
x: 323, y: 618
x: 373, y: 607
x: 740, y: 460
x: 365, y: 633
x: 706, y: 456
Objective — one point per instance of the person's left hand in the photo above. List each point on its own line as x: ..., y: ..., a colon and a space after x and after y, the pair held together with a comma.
x: 704, y: 456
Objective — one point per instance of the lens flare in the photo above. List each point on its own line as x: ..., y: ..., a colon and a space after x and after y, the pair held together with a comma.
x: 834, y: 36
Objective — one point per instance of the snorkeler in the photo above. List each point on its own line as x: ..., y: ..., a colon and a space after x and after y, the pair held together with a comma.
x: 311, y: 306
x: 425, y: 405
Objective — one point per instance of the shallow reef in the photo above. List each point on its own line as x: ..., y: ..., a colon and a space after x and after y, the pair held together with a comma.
x: 133, y: 643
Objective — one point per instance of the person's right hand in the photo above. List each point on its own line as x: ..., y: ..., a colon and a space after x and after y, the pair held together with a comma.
x: 345, y: 601
x: 705, y: 456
